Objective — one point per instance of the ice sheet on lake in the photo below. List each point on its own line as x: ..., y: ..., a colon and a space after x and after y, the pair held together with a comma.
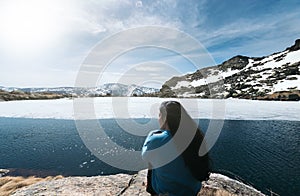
x: 139, y: 107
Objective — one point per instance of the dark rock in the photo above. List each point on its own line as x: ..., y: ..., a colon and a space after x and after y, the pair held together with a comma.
x: 201, y: 89
x: 292, y: 70
x: 292, y: 78
x: 3, y: 172
x: 237, y: 62
x: 166, y: 91
x: 258, y: 59
x: 293, y: 97
x: 295, y: 47
x: 280, y: 57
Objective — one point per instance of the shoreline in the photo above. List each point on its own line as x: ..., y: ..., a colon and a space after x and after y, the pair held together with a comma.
x: 236, y: 98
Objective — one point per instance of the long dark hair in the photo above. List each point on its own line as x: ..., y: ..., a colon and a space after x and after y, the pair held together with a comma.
x: 178, y: 120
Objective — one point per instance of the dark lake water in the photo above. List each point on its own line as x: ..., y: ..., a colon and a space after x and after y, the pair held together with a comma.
x: 265, y: 154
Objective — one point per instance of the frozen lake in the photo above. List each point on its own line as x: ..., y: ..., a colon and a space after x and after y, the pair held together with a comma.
x: 140, y: 107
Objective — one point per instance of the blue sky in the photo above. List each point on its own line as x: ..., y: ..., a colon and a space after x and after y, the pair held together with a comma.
x: 44, y: 43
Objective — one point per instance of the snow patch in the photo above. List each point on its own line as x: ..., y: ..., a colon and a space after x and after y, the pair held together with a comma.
x: 291, y: 57
x: 198, y: 82
x: 214, y: 78
x: 229, y: 73
x: 286, y: 84
x: 181, y: 84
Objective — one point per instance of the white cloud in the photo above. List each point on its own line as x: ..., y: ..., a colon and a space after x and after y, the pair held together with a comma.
x: 149, y: 68
x: 113, y: 16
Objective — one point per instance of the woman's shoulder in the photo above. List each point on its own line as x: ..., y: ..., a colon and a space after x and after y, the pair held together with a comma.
x: 157, y: 138
x: 158, y: 134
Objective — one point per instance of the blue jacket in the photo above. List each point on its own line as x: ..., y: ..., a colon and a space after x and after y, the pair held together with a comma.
x: 173, y: 178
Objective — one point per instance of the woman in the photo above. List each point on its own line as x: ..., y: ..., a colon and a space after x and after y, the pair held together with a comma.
x: 178, y: 173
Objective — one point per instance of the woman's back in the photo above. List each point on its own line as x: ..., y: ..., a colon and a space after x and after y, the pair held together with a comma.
x: 173, y: 178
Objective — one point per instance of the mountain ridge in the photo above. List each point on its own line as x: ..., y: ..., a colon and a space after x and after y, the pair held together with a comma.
x: 272, y: 77
x: 109, y: 89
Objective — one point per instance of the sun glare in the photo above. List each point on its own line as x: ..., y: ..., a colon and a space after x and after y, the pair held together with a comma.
x: 29, y: 26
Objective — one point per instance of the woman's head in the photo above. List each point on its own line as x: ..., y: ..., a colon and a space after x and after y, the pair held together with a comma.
x: 170, y: 115
x: 173, y: 116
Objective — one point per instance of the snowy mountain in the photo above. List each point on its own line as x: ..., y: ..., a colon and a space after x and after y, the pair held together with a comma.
x: 117, y: 89
x: 273, y: 77
x: 110, y: 89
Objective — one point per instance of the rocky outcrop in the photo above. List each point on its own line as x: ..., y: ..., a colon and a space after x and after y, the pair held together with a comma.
x: 234, y: 187
x: 119, y: 184
x: 124, y: 184
x: 296, y: 46
x: 237, y: 62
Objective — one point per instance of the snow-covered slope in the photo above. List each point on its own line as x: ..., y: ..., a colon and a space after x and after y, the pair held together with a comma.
x: 276, y: 76
x: 126, y: 90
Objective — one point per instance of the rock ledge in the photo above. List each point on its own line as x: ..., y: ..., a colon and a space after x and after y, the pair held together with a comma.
x: 124, y: 184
